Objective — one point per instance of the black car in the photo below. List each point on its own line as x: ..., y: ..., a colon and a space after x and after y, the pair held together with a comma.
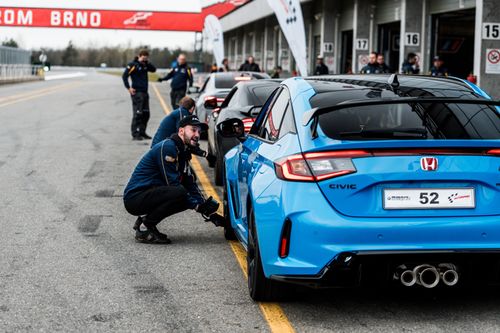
x: 243, y: 102
x: 217, y: 86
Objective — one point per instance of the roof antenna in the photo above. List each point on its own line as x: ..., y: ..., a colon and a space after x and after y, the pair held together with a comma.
x: 393, y: 82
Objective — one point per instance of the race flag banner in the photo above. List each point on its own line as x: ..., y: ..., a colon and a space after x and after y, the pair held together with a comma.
x: 163, y: 17
x: 213, y: 30
x: 289, y: 15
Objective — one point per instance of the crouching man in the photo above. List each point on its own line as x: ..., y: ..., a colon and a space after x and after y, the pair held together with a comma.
x: 163, y: 184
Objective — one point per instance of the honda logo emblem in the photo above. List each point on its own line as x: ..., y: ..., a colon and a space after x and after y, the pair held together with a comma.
x: 429, y: 163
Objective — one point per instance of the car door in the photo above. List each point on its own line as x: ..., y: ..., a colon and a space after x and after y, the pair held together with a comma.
x: 263, y: 146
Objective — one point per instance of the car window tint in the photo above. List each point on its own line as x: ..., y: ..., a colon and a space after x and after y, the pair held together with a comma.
x: 260, y: 94
x: 258, y: 125
x: 433, y: 120
x: 275, y: 116
x: 225, y: 82
x: 288, y: 124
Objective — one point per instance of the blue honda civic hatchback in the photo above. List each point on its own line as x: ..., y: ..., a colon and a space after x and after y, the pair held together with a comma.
x: 356, y: 180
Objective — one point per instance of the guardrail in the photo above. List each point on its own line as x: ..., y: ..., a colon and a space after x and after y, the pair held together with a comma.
x: 16, y: 73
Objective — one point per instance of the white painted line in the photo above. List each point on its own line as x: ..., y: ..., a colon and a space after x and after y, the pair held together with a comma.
x: 64, y: 76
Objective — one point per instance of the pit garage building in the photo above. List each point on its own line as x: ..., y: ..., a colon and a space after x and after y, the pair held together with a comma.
x: 464, y: 33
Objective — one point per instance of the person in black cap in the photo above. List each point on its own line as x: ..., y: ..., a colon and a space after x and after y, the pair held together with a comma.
x: 438, y: 69
x: 164, y: 184
x: 321, y: 68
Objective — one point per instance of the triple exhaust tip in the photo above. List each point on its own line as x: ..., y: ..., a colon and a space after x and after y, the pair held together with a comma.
x: 428, y: 276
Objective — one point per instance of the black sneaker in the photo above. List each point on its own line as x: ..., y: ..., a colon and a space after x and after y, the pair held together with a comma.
x: 137, y: 138
x: 137, y: 224
x: 151, y: 237
x: 145, y: 136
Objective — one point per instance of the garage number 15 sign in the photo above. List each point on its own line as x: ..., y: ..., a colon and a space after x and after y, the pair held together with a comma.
x: 491, y: 30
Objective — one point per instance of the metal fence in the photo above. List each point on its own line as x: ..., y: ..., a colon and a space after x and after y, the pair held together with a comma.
x: 11, y: 55
x: 15, y: 65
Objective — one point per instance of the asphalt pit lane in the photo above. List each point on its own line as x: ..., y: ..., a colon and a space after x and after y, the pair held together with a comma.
x: 95, y: 169
x: 154, y: 289
x: 90, y: 223
x: 104, y: 193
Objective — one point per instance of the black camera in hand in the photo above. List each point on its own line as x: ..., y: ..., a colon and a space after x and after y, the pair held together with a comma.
x: 209, y: 207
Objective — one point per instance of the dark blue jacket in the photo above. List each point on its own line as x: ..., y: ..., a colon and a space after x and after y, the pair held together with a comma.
x: 170, y: 125
x: 371, y: 69
x: 441, y: 71
x: 167, y: 163
x: 180, y: 76
x: 138, y: 72
x: 408, y: 68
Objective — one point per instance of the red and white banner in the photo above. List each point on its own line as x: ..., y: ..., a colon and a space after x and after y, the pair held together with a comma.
x: 112, y: 19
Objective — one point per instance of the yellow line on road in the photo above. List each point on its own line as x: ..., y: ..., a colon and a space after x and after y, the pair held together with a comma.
x: 37, y: 93
x: 166, y: 108
x: 273, y: 313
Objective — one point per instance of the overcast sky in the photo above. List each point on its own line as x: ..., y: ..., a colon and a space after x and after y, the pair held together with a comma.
x: 34, y: 38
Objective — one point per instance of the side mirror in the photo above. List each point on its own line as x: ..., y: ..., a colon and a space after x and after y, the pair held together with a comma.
x: 193, y: 90
x: 210, y: 103
x: 231, y: 128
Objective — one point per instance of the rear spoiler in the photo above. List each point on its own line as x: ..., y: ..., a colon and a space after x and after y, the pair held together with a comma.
x: 316, y: 112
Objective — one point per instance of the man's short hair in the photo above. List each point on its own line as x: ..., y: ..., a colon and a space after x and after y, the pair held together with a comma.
x: 186, y: 102
x: 143, y: 52
x: 411, y: 55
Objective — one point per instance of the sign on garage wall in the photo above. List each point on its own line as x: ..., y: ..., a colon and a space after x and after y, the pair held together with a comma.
x: 412, y: 39
x: 362, y: 60
x: 362, y: 44
x: 491, y: 30
x: 327, y: 47
x: 492, y: 61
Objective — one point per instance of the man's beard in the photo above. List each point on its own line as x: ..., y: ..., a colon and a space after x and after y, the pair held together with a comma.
x: 191, y: 142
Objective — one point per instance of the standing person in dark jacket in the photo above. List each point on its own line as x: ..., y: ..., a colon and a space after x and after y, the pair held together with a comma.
x: 250, y: 65
x: 411, y: 66
x: 383, y: 68
x: 138, y: 70
x: 164, y: 184
x: 372, y: 66
x: 321, y: 68
x: 181, y: 75
x: 438, y: 68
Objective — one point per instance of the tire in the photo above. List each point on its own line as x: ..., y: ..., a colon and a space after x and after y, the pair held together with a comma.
x: 228, y: 229
x: 261, y: 289
x: 218, y: 170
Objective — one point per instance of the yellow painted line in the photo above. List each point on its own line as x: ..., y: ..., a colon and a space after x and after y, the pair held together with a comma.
x: 37, y: 94
x: 164, y: 105
x: 273, y: 313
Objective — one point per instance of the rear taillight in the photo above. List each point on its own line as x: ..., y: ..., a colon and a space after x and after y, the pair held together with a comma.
x: 318, y: 166
x: 495, y: 152
x: 284, y: 246
x: 218, y: 99
x: 247, y: 123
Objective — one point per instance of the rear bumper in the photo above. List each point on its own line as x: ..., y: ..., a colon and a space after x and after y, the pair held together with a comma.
x: 320, y: 234
x: 371, y: 268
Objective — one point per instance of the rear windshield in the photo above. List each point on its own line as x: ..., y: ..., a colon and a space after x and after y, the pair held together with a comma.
x: 228, y: 81
x: 416, y: 121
